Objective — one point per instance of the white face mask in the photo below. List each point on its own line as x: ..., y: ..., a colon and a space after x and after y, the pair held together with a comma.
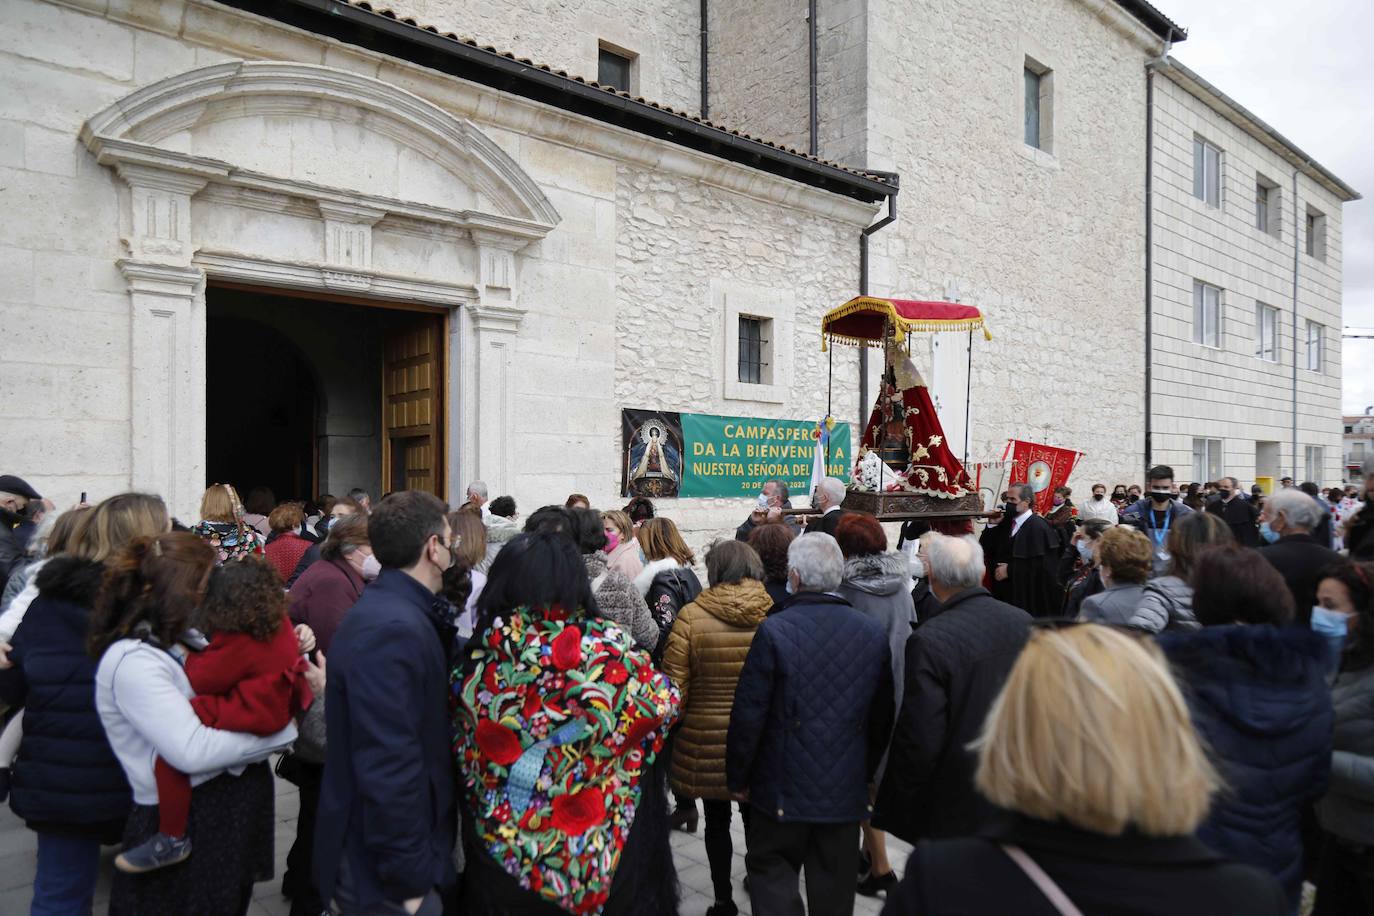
x: 918, y: 568
x: 791, y: 584
x: 371, y: 568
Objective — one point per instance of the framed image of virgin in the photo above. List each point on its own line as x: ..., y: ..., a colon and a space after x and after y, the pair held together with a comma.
x: 651, y: 454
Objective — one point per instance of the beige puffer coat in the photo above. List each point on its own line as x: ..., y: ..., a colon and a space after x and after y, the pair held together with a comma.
x: 704, y: 657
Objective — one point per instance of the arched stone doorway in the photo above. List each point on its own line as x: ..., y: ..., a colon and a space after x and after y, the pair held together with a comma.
x: 313, y: 180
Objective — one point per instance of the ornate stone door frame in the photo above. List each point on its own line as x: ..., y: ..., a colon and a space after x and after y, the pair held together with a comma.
x: 170, y: 253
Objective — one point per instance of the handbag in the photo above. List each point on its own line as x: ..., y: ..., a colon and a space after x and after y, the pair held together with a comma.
x: 1053, y: 893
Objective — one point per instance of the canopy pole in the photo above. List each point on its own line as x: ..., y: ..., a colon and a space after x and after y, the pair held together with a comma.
x: 968, y: 396
x: 829, y: 401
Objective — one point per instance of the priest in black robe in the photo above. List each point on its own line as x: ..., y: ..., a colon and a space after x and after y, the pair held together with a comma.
x: 1029, y: 560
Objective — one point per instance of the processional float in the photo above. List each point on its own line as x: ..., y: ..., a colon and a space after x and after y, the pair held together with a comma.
x: 905, y: 468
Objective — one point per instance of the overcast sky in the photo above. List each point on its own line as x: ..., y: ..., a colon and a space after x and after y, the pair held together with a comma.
x: 1305, y: 69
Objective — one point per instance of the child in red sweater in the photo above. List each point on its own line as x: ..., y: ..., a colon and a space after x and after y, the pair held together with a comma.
x: 251, y: 678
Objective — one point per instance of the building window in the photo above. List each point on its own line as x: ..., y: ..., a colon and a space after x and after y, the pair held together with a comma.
x: 613, y: 68
x: 753, y: 350
x: 1266, y: 332
x: 1038, y: 110
x: 1316, y: 234
x: 1206, y: 172
x: 1316, y: 346
x: 1312, y: 463
x: 1206, y: 314
x: 1266, y: 206
x: 1206, y: 459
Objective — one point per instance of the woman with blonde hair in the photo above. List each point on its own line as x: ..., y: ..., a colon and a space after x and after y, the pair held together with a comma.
x: 222, y: 525
x: 667, y: 581
x: 622, y: 548
x: 1090, y: 752
x: 464, y: 581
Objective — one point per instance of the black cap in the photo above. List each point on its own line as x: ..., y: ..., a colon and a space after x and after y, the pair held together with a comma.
x: 16, y: 485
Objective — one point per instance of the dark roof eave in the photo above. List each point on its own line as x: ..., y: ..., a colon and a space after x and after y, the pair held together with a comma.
x: 402, y: 40
x: 1154, y: 19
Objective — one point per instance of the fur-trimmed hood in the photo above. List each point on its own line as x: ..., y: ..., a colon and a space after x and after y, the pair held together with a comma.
x: 878, y: 573
x: 74, y: 579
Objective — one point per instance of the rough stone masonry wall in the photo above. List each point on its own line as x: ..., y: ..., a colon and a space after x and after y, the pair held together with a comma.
x: 759, y: 75
x: 565, y: 33
x: 1051, y: 247
x: 673, y: 238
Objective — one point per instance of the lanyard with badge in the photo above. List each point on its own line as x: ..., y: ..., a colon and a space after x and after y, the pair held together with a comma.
x: 1160, y: 534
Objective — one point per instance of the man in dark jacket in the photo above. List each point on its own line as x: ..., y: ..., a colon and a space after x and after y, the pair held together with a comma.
x: 1293, y: 515
x: 15, y: 514
x: 1030, y: 556
x: 772, y: 503
x: 956, y: 663
x: 1157, y: 513
x: 386, y: 823
x: 1239, y: 514
x: 827, y: 499
x: 809, y: 724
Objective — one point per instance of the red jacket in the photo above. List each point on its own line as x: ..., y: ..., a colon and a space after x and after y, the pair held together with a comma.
x: 244, y: 685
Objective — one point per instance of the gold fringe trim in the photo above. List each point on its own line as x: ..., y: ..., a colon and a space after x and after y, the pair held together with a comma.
x: 903, y: 325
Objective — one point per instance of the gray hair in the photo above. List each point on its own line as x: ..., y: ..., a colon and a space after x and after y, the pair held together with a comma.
x: 1299, y: 509
x: 731, y: 561
x: 817, y: 560
x: 1024, y: 491
x: 833, y: 487
x: 955, y: 562
x: 479, y: 488
x: 779, y: 488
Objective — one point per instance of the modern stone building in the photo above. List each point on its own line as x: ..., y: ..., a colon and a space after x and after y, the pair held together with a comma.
x: 1358, y: 443
x: 322, y: 244
x: 1245, y: 341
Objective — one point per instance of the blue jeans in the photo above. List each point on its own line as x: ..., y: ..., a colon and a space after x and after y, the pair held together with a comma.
x: 67, y: 870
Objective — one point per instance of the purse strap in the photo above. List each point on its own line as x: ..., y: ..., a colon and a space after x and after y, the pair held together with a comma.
x: 1056, y: 896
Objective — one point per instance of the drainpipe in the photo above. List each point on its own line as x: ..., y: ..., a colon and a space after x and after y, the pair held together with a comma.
x: 1161, y: 61
x: 814, y: 91
x: 705, y: 63
x: 1295, y: 324
x: 894, y: 180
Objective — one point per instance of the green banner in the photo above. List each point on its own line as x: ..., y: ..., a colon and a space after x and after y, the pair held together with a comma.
x: 733, y: 456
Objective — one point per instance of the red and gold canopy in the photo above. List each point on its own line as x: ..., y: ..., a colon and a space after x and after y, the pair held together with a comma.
x: 862, y: 320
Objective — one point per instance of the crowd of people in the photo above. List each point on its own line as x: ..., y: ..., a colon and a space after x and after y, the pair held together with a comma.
x: 1159, y: 701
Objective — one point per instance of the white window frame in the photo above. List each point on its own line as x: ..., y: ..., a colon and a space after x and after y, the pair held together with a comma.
x: 1266, y: 332
x: 1314, y: 461
x: 1315, y: 230
x: 1202, y: 311
x: 1316, y: 346
x: 735, y: 300
x: 1207, y: 464
x: 1268, y: 206
x: 1207, y: 164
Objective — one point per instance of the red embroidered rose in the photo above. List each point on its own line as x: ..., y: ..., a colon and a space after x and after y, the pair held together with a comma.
x: 567, y: 648
x: 532, y: 704
x: 578, y: 812
x: 498, y: 743
x: 615, y: 673
x: 638, y: 729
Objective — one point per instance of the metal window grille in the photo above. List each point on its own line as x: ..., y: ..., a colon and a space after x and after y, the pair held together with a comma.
x: 752, y: 346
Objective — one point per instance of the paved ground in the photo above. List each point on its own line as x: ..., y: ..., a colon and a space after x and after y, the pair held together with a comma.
x: 17, y: 865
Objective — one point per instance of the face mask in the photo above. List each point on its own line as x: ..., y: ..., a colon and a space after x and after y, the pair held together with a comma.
x: 371, y: 568
x: 1085, y: 552
x: 1099, y: 496
x: 1059, y: 500
x: 791, y: 589
x: 612, y: 541
x: 918, y: 568
x: 1332, y: 625
x: 763, y: 501
x: 1269, y: 534
x: 1161, y: 496
x: 1010, y: 509
x: 1224, y: 494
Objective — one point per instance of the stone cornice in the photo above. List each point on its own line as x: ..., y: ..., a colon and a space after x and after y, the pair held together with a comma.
x: 252, y: 269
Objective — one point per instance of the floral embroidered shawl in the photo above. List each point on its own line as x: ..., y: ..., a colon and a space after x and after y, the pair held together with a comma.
x: 557, y: 720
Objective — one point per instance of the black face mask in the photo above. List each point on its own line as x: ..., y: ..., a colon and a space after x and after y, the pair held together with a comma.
x: 1224, y: 494
x: 1010, y: 509
x: 1161, y: 496
x: 10, y: 517
x: 1099, y: 496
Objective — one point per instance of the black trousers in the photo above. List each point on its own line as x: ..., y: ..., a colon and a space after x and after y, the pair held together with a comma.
x: 720, y: 849
x: 299, y: 879
x: 778, y: 851
x: 1345, y: 880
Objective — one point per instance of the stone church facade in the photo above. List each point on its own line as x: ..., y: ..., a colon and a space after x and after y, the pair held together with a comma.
x: 422, y: 261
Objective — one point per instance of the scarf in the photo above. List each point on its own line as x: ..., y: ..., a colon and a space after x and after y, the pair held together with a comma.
x: 558, y: 719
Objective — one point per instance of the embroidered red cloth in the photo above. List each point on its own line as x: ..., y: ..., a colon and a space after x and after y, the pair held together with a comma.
x: 866, y: 318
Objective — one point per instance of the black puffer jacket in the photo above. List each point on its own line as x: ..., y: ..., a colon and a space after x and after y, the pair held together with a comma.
x: 66, y: 778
